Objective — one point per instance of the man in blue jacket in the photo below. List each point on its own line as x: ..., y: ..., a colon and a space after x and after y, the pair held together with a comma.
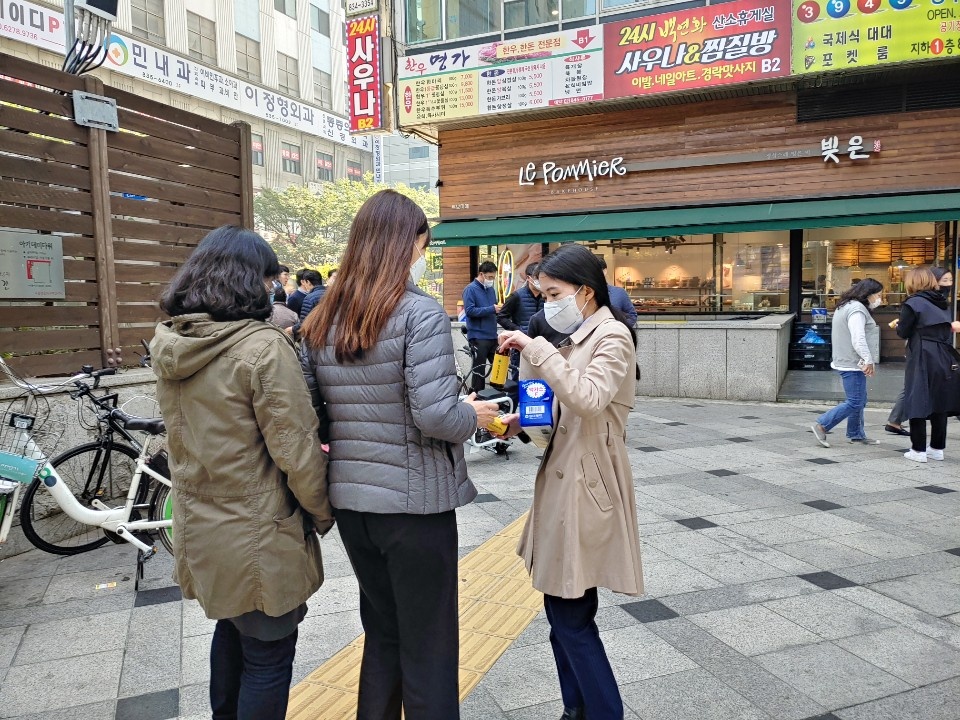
x: 481, y: 308
x: 619, y: 298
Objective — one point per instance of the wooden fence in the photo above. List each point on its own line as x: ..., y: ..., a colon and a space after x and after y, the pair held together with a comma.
x: 129, y: 205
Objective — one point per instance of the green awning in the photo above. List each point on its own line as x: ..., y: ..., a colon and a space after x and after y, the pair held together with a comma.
x: 700, y: 220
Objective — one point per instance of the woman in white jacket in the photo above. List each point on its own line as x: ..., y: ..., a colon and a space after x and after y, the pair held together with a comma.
x: 853, y: 329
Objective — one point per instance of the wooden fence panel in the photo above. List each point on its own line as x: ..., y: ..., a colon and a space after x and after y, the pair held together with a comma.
x: 130, y: 208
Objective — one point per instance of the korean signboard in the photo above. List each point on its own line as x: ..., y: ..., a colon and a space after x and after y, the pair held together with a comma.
x: 39, y: 26
x: 365, y: 89
x: 31, y: 266
x: 705, y: 47
x: 557, y: 69
x: 846, y: 34
x: 361, y: 7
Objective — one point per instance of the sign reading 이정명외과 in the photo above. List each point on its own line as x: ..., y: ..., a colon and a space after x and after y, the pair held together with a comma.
x: 716, y: 45
x: 833, y: 35
x: 363, y: 74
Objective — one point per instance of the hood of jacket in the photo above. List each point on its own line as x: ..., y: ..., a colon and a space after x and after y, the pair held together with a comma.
x: 186, y: 344
x: 935, y: 297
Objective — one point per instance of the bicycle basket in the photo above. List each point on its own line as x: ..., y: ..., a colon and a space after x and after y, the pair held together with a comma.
x: 29, y: 432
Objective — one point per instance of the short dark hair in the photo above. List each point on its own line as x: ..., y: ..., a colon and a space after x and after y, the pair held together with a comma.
x: 486, y: 266
x: 279, y: 294
x: 314, y: 277
x: 299, y: 276
x: 333, y: 271
x: 861, y: 291
x: 602, y: 260
x: 224, y: 277
x: 531, y: 269
x: 283, y: 269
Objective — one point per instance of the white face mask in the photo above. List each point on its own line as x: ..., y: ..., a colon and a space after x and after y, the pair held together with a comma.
x: 563, y: 315
x: 875, y: 303
x: 418, y: 269
x: 488, y: 283
x: 536, y: 285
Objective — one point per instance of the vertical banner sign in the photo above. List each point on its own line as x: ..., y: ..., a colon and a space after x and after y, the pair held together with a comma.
x: 726, y: 44
x: 847, y: 34
x: 363, y: 74
x: 377, y: 159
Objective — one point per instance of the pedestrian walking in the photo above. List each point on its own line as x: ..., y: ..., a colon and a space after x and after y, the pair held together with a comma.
x: 249, y: 477
x: 581, y: 533
x: 378, y: 357
x: 854, y: 333
x: 932, y: 377
x: 481, y: 308
x: 897, y: 415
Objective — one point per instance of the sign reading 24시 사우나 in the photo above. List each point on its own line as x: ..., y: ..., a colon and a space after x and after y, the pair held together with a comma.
x: 846, y: 34
x: 725, y: 44
x: 363, y: 74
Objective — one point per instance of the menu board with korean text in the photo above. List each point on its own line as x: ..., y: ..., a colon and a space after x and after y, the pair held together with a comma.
x: 847, y: 34
x: 556, y: 69
x: 725, y: 44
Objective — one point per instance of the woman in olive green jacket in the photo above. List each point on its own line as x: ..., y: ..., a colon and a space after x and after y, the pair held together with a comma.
x: 249, y: 475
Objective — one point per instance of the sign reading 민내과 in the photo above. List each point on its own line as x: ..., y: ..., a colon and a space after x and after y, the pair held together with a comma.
x: 557, y: 69
x: 705, y: 47
x: 844, y: 34
x: 365, y: 89
x: 36, y: 25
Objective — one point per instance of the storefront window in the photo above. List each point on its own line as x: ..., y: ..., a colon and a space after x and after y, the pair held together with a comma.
x: 573, y: 9
x: 423, y: 21
x: 524, y: 13
x: 466, y: 18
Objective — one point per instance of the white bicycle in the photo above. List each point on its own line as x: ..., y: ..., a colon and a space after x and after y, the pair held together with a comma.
x: 90, y: 494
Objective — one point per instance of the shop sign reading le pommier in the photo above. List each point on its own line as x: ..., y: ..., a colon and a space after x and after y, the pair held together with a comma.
x: 586, y: 169
x: 363, y: 74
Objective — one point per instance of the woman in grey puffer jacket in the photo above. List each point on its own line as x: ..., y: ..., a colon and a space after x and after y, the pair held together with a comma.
x: 378, y: 358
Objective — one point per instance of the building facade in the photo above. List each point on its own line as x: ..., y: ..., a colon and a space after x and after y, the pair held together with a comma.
x: 411, y: 161
x: 278, y: 65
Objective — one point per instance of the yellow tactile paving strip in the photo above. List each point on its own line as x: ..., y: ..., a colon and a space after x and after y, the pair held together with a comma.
x: 496, y: 603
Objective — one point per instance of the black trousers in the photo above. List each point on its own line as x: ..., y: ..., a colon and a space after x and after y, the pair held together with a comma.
x: 483, y: 352
x: 938, y: 432
x: 586, y: 678
x: 407, y: 569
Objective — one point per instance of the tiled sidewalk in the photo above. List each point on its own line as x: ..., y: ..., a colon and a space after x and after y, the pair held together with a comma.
x: 784, y: 581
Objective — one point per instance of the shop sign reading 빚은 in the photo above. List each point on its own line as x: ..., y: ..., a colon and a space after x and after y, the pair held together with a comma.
x: 363, y: 74
x: 855, y: 148
x: 846, y: 34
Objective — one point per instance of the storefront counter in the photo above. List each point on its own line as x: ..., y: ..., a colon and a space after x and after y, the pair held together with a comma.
x: 717, y: 359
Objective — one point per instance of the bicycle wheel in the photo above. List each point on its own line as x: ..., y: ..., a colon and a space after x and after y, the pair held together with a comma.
x: 91, y: 472
x: 161, y: 508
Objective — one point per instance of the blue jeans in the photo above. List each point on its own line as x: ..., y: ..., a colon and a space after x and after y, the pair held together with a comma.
x: 249, y: 678
x: 586, y: 678
x: 851, y: 409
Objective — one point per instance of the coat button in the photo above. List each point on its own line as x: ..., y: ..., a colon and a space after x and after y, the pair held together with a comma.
x: 592, y: 483
x: 563, y: 429
x: 559, y: 473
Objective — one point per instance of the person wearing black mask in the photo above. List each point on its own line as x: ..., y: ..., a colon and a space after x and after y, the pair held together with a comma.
x: 932, y: 381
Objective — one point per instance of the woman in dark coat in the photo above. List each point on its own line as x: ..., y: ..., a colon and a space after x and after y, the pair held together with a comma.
x: 932, y: 382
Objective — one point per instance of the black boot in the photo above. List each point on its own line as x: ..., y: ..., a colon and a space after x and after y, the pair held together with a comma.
x: 573, y: 714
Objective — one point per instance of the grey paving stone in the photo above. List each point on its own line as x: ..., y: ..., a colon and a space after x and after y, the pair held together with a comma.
x: 829, y: 615
x: 480, y: 705
x: 902, y: 567
x: 123, y: 557
x: 33, y: 563
x: 737, y: 595
x: 674, y: 577
x: 322, y: 636
x: 195, y: 659
x: 9, y: 643
x: 23, y: 592
x: 58, y: 684
x: 685, y: 545
x: 522, y: 677
x: 73, y: 637
x: 551, y: 710
x: 194, y: 621
x: 935, y: 702
x: 195, y: 700
x: 909, y: 655
x: 826, y: 524
x: 830, y: 675
x: 881, y: 544
x: 930, y: 594
x: 93, y: 711
x: 74, y: 608
x: 636, y: 653
x: 83, y: 585
x: 826, y: 554
x: 753, y: 629
x: 691, y: 694
x: 161, y: 705
x: 151, y: 662
x: 764, y: 690
x: 734, y: 567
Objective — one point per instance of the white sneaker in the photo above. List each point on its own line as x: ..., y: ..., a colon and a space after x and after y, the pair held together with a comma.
x: 934, y: 454
x: 912, y: 454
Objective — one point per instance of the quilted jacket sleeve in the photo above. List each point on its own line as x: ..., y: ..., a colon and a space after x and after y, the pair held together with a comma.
x: 316, y: 399
x: 431, y: 379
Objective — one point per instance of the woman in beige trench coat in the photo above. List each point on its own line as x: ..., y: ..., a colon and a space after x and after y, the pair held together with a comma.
x: 581, y: 532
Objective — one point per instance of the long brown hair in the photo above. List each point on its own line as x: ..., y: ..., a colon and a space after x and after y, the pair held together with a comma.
x: 372, y: 277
